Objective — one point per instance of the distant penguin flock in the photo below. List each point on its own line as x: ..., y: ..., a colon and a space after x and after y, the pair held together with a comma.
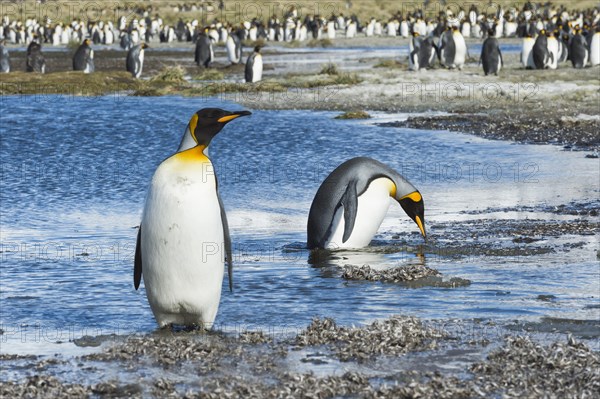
x: 551, y: 35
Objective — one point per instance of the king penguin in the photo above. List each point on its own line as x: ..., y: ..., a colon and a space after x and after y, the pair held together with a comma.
x: 234, y: 48
x: 36, y: 62
x: 527, y: 52
x: 542, y: 57
x: 491, y: 57
x: 135, y: 60
x: 578, y: 51
x: 184, y: 236
x: 353, y: 200
x: 83, y: 60
x: 204, y: 51
x: 422, y: 52
x: 4, y: 58
x: 254, y: 67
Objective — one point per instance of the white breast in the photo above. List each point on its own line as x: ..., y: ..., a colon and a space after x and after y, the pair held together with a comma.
x: 553, y: 49
x: 139, y: 73
x: 460, y: 54
x: 257, y: 69
x: 373, y: 205
x: 183, y: 244
x: 595, y: 50
x: 527, y: 53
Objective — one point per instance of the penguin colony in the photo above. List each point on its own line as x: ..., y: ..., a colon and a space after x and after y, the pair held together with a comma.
x: 183, y: 240
x: 550, y: 36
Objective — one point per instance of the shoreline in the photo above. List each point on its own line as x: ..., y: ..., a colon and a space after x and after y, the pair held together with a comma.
x: 556, y: 107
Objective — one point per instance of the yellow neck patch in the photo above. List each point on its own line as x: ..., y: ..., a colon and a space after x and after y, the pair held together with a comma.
x: 193, y: 124
x: 194, y: 154
x: 415, y: 196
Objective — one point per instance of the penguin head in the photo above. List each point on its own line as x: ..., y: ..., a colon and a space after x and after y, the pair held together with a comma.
x: 415, y: 208
x: 144, y: 45
x: 257, y: 49
x: 87, y: 42
x: 206, y: 124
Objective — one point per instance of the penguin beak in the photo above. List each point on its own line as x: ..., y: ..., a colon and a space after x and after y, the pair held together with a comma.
x: 415, y: 209
x: 233, y: 116
x: 421, y: 226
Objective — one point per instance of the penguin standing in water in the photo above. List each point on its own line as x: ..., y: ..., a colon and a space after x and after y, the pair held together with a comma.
x: 254, y: 66
x: 204, y: 51
x: 83, y: 60
x: 578, y: 51
x: 527, y: 52
x: 184, y: 236
x: 234, y: 48
x: 491, y: 57
x: 353, y: 201
x: 135, y: 60
x: 542, y: 57
x: 36, y: 62
x: 4, y: 58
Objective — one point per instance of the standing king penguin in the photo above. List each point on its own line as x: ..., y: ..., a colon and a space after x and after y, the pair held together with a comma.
x: 234, y: 48
x: 36, y: 62
x: 527, y: 52
x: 83, y: 60
x: 542, y: 57
x: 353, y: 201
x: 135, y: 60
x: 254, y: 67
x: 578, y: 51
x: 422, y: 52
x: 491, y: 57
x: 204, y: 54
x: 184, y: 237
x: 4, y: 58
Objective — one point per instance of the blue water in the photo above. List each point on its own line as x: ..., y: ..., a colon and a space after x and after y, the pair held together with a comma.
x: 75, y: 172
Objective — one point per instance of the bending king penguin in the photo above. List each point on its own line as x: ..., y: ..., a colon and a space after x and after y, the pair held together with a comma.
x: 184, y: 237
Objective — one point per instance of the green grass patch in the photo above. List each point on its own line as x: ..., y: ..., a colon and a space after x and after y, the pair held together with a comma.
x: 209, y: 74
x: 172, y: 74
x: 329, y: 69
x: 319, y: 43
x: 69, y: 83
x: 389, y: 63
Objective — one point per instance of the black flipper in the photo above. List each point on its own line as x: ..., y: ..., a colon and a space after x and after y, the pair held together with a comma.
x: 501, y: 60
x: 227, y: 242
x: 350, y: 202
x: 415, y: 52
x: 137, y: 263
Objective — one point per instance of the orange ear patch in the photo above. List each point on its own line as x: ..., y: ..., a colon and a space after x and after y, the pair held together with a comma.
x: 193, y: 124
